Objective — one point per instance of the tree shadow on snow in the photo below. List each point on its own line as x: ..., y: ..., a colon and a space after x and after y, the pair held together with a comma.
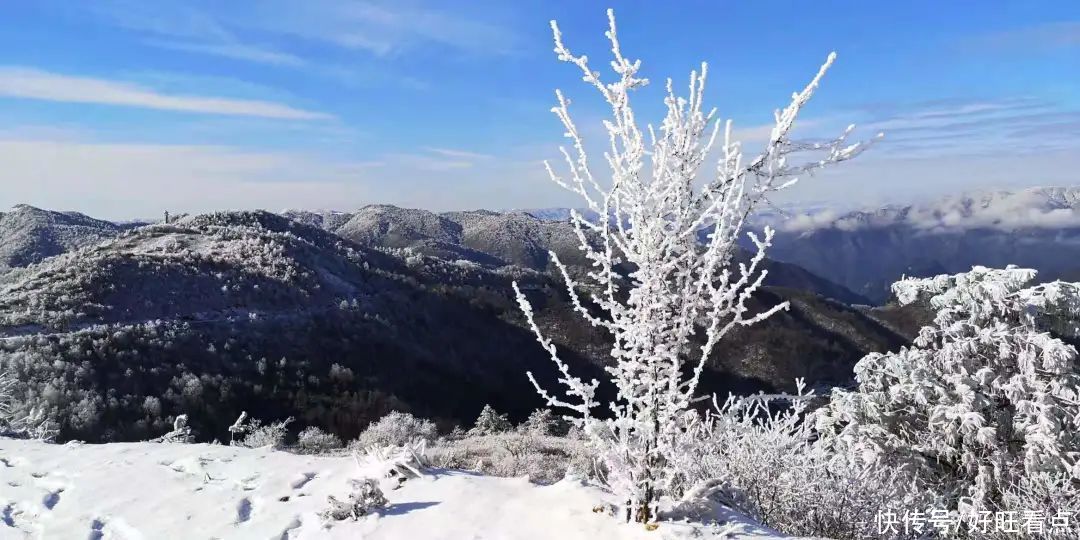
x: 406, y: 507
x: 439, y: 472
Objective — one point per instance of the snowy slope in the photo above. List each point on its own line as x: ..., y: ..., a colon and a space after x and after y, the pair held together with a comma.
x: 29, y: 235
x: 160, y: 491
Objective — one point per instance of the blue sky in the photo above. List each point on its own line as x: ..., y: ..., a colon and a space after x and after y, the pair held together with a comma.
x: 125, y: 108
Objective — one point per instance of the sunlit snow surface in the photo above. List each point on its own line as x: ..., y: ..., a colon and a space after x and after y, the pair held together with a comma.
x: 154, y: 491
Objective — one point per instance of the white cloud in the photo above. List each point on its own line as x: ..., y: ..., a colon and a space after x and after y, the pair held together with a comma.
x: 131, y: 180
x: 183, y: 27
x: 452, y: 153
x: 236, y: 51
x: 424, y: 162
x: 948, y: 192
x: 934, y: 117
x: 989, y: 127
x: 377, y: 27
x: 381, y: 28
x: 1050, y: 35
x: 142, y: 180
x: 28, y: 83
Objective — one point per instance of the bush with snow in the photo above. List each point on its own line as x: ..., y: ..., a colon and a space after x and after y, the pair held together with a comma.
x: 393, y: 461
x: 33, y: 424
x: 257, y: 435
x: 490, y: 422
x: 543, y: 458
x: 757, y: 454
x: 682, y: 295
x: 365, y: 498
x: 395, y: 429
x: 181, y: 432
x: 313, y: 440
x: 984, y: 408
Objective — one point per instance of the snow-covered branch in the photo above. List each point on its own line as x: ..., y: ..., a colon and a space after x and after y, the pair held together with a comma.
x: 660, y: 215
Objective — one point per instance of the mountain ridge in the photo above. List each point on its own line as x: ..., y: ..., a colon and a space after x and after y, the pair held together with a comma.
x: 215, y: 313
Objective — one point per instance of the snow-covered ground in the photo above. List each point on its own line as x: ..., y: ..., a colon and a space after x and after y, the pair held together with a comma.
x: 195, y: 491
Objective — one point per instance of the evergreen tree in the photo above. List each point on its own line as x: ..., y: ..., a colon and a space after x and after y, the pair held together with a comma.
x: 490, y: 422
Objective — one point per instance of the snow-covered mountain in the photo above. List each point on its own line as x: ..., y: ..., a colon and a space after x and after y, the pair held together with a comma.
x: 216, y: 313
x: 495, y: 239
x: 323, y: 219
x: 480, y: 236
x: 221, y: 311
x: 868, y: 250
x: 28, y: 234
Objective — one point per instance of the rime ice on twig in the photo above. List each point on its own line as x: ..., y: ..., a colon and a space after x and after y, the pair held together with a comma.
x: 652, y: 215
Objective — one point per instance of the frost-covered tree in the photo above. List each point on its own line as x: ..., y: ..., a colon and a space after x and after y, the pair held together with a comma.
x: 6, y: 384
x: 490, y: 422
x: 540, y: 422
x: 658, y: 212
x: 985, y: 401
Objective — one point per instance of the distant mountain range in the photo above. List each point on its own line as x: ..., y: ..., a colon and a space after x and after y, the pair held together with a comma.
x: 866, y: 251
x: 334, y: 318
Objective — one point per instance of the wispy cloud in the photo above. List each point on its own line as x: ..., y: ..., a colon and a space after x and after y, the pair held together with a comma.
x: 183, y: 27
x: 28, y: 83
x: 936, y: 114
x: 382, y: 28
x: 1015, y: 125
x: 1052, y: 35
x: 426, y: 162
x: 431, y: 159
x: 452, y: 153
x: 376, y: 27
x: 236, y: 51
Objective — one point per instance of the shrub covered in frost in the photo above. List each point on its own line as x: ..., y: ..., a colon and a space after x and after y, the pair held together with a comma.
x: 365, y: 498
x: 258, y: 435
x: 986, y: 401
x: 758, y: 455
x: 181, y: 432
x: 34, y: 424
x: 979, y: 417
x: 395, y: 429
x: 313, y: 440
x: 543, y: 458
x: 397, y: 462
